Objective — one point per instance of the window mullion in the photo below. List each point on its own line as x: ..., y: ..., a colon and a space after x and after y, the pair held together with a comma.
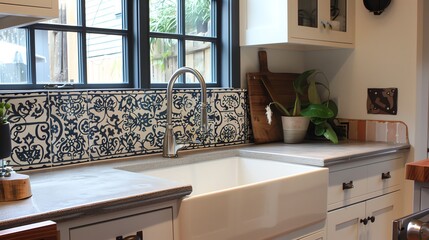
x: 82, y: 43
x: 31, y: 43
x: 181, y: 51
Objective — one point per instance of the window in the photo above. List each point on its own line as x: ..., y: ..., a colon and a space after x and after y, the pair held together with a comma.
x: 123, y: 44
x: 182, y: 33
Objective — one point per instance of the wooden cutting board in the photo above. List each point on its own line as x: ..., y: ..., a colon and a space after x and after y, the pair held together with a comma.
x: 281, y: 86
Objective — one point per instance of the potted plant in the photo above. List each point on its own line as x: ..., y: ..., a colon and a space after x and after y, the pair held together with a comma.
x: 295, y: 121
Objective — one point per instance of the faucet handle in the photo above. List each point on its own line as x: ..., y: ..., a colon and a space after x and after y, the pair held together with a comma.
x: 185, y: 144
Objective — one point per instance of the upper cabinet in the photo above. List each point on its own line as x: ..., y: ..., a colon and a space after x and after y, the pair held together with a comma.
x: 327, y: 23
x: 22, y: 12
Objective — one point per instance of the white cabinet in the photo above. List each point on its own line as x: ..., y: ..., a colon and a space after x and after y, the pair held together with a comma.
x: 327, y: 23
x: 315, y: 236
x: 22, y: 12
x: 153, y: 223
x: 364, y: 198
x: 368, y: 220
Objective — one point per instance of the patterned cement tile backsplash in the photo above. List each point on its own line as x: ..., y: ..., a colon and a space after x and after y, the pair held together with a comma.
x: 30, y: 130
x: 60, y: 128
x: 67, y: 127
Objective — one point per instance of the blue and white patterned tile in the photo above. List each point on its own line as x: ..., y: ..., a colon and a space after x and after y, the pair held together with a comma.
x: 30, y: 132
x: 230, y: 113
x: 69, y: 127
x: 116, y: 124
x: 152, y: 126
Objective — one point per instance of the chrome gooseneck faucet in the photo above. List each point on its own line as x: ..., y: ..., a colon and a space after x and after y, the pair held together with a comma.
x: 170, y: 146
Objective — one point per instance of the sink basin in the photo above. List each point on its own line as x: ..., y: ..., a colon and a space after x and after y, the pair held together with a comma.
x: 245, y: 198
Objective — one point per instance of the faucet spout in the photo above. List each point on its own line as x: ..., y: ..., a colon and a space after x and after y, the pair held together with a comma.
x: 170, y: 146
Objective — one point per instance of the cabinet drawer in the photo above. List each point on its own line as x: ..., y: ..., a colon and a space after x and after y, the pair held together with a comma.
x: 152, y: 225
x: 385, y: 174
x: 346, y: 184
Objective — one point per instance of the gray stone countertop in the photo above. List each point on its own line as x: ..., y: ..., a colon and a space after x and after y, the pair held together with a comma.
x: 67, y: 192
x: 323, y: 154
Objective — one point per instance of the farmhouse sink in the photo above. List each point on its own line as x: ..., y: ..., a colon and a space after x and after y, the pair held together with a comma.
x: 245, y: 198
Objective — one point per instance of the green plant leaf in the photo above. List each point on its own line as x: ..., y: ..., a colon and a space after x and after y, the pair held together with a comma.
x: 313, y: 95
x: 333, y: 106
x: 330, y: 133
x: 317, y: 121
x: 317, y: 111
x: 297, y: 106
x: 300, y: 84
x: 319, y: 130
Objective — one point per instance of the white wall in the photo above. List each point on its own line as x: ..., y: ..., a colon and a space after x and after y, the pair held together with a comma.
x: 279, y: 60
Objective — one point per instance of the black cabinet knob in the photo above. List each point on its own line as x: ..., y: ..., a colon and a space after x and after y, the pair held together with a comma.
x: 372, y: 219
x: 364, y: 221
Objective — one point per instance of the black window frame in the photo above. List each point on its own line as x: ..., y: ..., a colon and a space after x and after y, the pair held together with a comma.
x: 136, y: 49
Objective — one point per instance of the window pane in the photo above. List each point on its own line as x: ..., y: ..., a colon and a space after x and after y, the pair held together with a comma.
x: 104, y: 14
x: 67, y: 13
x: 339, y: 15
x: 198, y: 56
x: 13, y: 57
x: 197, y: 17
x: 307, y: 13
x: 104, y: 58
x: 163, y: 15
x: 163, y: 58
x: 56, y: 57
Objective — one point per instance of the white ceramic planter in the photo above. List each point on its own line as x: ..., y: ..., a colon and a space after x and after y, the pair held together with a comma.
x: 294, y: 128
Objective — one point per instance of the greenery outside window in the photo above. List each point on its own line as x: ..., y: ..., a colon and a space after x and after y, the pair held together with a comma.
x: 123, y: 44
x: 183, y: 33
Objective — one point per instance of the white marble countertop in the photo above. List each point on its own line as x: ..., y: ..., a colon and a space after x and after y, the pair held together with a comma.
x: 74, y: 190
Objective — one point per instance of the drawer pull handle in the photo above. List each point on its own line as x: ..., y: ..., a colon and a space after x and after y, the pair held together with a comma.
x: 386, y: 175
x: 348, y: 185
x: 138, y: 236
x: 364, y: 221
x: 372, y: 219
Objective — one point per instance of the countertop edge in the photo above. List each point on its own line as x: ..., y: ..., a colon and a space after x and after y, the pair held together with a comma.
x: 100, y: 207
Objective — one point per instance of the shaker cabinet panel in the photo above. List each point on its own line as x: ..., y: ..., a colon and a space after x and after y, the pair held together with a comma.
x: 148, y: 226
x: 345, y: 222
x: 385, y: 174
x: 381, y: 211
x: 347, y: 184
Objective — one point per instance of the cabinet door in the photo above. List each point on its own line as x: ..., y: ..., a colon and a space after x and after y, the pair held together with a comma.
x: 324, y: 20
x: 383, y: 210
x: 305, y: 17
x: 152, y: 226
x: 345, y: 223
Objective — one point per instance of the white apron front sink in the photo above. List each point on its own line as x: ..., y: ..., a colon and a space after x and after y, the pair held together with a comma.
x: 244, y: 198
